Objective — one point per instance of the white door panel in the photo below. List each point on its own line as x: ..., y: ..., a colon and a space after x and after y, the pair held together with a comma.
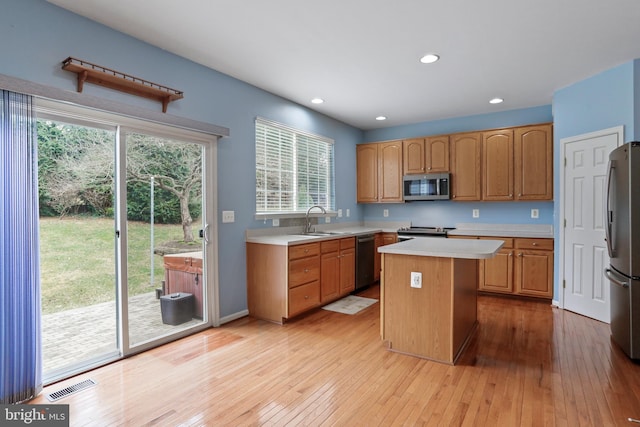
x: 584, y: 249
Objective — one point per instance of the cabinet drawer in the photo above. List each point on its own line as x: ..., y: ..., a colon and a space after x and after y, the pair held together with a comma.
x: 304, y: 270
x: 508, y: 241
x: 301, y: 251
x: 347, y: 243
x: 330, y: 246
x: 304, y: 297
x: 542, y: 244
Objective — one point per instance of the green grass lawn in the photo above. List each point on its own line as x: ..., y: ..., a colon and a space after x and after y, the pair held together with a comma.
x: 77, y: 260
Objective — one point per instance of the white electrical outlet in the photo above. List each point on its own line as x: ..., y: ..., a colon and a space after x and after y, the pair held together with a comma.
x: 534, y: 213
x: 339, y: 213
x: 416, y: 279
x: 228, y: 216
x: 327, y: 219
x: 476, y: 213
x: 275, y: 222
x: 348, y: 213
x: 385, y: 213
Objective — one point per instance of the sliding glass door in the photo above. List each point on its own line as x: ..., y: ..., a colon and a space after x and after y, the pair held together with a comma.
x: 126, y: 259
x: 166, y: 286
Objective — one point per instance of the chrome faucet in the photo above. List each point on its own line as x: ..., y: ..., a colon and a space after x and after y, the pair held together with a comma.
x: 307, y: 227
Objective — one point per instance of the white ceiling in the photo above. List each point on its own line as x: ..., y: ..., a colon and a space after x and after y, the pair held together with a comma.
x: 362, y: 56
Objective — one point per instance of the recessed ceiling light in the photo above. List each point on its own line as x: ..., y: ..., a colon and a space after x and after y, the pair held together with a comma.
x: 380, y: 118
x: 429, y: 58
x: 496, y: 101
x: 317, y: 101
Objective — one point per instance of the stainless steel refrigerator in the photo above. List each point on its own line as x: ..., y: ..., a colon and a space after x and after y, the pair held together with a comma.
x: 623, y: 242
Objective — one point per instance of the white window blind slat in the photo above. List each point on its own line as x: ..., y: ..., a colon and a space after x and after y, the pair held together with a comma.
x: 294, y: 169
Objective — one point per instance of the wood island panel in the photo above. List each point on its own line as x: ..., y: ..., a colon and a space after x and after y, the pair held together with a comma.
x: 433, y: 321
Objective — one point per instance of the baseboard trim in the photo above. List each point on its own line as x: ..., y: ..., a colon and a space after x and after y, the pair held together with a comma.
x: 234, y: 316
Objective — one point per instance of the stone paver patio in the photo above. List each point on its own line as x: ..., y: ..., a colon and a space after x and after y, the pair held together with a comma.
x: 76, y: 335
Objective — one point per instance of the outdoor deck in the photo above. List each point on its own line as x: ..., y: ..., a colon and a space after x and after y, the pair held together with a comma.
x: 79, y: 334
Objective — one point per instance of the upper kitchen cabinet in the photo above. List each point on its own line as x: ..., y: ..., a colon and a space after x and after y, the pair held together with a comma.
x: 497, y: 165
x: 466, y: 178
x: 426, y: 155
x: 379, y: 172
x: 533, y: 146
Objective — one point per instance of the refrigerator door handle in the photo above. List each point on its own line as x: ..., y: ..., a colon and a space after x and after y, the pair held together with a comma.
x: 610, y: 274
x: 608, y: 212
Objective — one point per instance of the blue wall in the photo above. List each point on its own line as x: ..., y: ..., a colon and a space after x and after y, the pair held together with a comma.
x: 37, y: 36
x: 448, y: 213
x: 603, y: 101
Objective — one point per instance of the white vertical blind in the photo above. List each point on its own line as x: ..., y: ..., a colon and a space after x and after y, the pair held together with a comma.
x: 294, y: 169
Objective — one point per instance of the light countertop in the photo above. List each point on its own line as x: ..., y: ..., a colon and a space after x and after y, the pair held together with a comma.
x: 295, y: 237
x: 444, y: 248
x: 504, y: 230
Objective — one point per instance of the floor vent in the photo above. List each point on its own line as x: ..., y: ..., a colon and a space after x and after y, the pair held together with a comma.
x: 57, y: 395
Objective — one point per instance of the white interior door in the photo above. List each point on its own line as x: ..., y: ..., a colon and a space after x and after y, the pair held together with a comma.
x: 584, y: 250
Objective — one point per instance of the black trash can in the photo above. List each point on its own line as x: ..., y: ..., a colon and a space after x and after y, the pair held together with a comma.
x: 176, y: 308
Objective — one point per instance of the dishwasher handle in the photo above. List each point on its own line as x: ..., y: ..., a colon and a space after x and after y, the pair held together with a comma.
x: 367, y: 238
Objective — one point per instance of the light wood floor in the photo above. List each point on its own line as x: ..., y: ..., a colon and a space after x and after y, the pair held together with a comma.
x: 528, y: 364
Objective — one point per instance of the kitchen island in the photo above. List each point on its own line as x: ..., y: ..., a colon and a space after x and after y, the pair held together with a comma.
x: 428, y: 303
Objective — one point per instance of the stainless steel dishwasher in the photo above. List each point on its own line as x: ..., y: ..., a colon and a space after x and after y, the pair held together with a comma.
x: 365, y: 247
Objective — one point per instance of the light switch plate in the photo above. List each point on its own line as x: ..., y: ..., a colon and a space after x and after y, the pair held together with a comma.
x: 327, y: 219
x: 275, y: 222
x: 534, y: 213
x: 476, y: 213
x: 385, y: 213
x: 348, y: 213
x: 228, y: 216
x: 339, y: 213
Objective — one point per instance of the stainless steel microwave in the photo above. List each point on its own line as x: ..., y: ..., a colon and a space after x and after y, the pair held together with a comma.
x: 433, y: 186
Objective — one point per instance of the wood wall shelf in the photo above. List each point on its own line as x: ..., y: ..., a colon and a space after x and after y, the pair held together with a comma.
x: 96, y: 74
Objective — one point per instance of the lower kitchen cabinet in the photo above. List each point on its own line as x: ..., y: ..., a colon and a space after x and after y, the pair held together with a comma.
x: 285, y: 281
x: 521, y: 267
x: 381, y: 239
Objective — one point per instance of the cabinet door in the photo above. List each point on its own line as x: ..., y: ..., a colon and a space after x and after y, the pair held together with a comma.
x: 329, y: 276
x: 347, y: 271
x: 497, y: 167
x: 414, y: 156
x: 496, y: 274
x: 390, y: 171
x: 465, y: 166
x: 367, y: 173
x: 437, y: 154
x: 534, y: 273
x: 389, y: 238
x: 534, y: 163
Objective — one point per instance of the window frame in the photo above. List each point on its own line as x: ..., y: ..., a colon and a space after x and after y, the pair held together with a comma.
x: 330, y: 176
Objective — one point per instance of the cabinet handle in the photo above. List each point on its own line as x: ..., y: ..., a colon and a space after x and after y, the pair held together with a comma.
x: 429, y: 168
x: 510, y: 254
x: 519, y: 194
x: 535, y: 244
x: 306, y: 297
x: 306, y: 270
x: 510, y: 195
x: 520, y: 254
x: 306, y: 250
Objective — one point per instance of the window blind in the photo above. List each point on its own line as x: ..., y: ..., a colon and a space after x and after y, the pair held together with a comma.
x: 294, y: 169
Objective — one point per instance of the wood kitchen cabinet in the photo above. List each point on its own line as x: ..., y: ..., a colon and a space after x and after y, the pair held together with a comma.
x: 533, y: 154
x: 521, y: 267
x: 285, y: 281
x: 497, y: 165
x: 381, y: 239
x: 426, y: 155
x: 338, y: 268
x: 534, y: 267
x: 466, y: 178
x: 379, y: 172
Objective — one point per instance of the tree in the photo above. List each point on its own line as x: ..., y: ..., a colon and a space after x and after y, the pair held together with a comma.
x: 175, y: 166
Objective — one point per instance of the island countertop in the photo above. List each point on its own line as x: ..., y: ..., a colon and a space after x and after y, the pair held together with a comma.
x: 444, y: 248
